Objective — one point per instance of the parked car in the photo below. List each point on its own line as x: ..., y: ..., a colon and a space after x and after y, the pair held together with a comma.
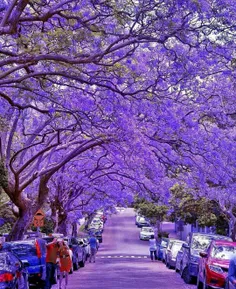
x: 196, y: 242
x: 79, y: 253
x: 95, y: 226
x: 179, y: 257
x: 171, y: 253
x: 146, y: 233
x: 84, y: 243
x: 137, y: 217
x: 167, y: 251
x: 33, y: 251
x: 13, y: 271
x: 142, y: 222
x: 161, y: 247
x: 214, y: 264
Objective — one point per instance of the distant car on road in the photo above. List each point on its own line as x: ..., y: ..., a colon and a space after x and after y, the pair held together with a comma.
x: 214, y: 264
x: 171, y: 254
x: 196, y: 243
x: 142, y: 222
x: 13, y: 271
x: 146, y: 233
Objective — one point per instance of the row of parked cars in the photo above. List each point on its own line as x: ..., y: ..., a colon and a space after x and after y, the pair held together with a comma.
x: 23, y: 263
x: 202, y: 259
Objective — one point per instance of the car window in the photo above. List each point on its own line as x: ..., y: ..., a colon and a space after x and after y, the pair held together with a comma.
x: 176, y: 247
x: 223, y: 252
x: 150, y: 230
x: 200, y: 242
x: 24, y: 250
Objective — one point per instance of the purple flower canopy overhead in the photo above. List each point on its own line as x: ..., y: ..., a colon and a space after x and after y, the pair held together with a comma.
x: 116, y: 100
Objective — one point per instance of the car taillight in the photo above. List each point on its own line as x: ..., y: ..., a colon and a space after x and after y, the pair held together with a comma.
x: 38, y: 251
x: 6, y: 277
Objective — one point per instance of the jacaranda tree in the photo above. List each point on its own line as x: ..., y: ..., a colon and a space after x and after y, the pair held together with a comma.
x: 151, y: 80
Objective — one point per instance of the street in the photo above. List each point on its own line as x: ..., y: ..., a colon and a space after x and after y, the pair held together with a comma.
x: 122, y: 261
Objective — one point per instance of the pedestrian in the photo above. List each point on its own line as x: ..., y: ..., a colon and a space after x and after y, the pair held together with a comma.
x: 65, y: 263
x: 153, y: 247
x: 93, y: 248
x: 51, y: 263
x: 232, y: 270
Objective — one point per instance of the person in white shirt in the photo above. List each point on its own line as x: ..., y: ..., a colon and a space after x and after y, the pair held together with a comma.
x: 153, y: 248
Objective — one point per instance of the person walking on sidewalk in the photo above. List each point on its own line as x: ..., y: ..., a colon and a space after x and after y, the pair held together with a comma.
x: 65, y: 263
x: 51, y: 261
x: 153, y: 247
x: 93, y: 248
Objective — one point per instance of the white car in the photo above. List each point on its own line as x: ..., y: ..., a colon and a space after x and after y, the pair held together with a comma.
x: 146, y: 233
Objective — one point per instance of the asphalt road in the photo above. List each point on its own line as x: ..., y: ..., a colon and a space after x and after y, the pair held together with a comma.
x: 122, y: 261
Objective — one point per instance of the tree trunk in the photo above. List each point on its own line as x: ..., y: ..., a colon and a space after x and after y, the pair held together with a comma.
x: 63, y: 225
x: 54, y: 216
x: 74, y: 229
x: 158, y: 224
x: 21, y: 225
x: 27, y: 210
x: 233, y: 229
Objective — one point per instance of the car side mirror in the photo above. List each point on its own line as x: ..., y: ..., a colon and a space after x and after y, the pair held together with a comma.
x: 203, y: 254
x: 186, y: 246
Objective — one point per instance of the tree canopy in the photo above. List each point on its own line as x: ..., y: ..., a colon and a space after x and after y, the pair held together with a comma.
x: 134, y: 95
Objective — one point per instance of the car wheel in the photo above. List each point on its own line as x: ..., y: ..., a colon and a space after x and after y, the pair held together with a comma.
x: 75, y: 266
x: 181, y: 269
x: 205, y: 286
x: 176, y: 270
x: 186, y: 276
x: 199, y: 283
x: 71, y: 270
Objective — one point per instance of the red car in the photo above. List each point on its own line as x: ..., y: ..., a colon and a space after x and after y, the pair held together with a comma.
x: 214, y: 264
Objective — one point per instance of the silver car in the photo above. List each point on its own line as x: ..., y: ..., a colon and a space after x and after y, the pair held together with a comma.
x: 172, y: 253
x: 146, y: 233
x: 179, y: 257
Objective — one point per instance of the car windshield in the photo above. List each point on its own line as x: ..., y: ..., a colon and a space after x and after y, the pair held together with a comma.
x: 149, y: 230
x: 200, y: 242
x: 223, y: 252
x: 24, y: 250
x: 176, y: 247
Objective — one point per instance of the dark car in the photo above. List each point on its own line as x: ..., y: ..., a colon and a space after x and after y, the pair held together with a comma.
x: 79, y: 253
x: 161, y: 247
x: 13, y: 272
x: 34, y: 251
x: 172, y: 252
x: 214, y: 264
x: 196, y: 243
